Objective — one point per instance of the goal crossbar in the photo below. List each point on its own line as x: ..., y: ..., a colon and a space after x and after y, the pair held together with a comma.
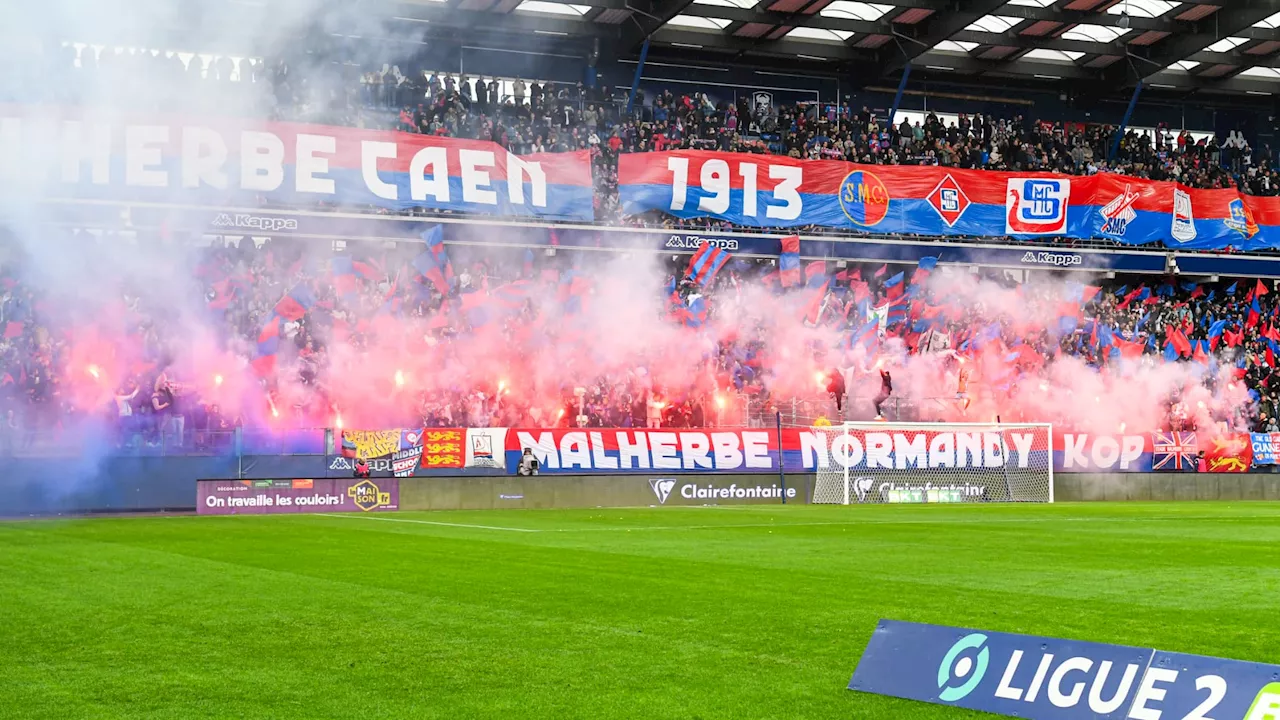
x: 915, y: 462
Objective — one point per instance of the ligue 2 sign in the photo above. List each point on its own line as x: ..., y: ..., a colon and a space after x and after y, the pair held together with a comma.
x: 1050, y: 679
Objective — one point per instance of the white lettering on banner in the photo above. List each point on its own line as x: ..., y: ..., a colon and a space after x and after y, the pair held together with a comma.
x: 1055, y: 691
x: 714, y: 178
x: 543, y: 447
x: 436, y: 182
x: 261, y: 161
x: 162, y: 156
x: 905, y: 451
x: 909, y: 453
x: 644, y: 450
x: 574, y: 451
x: 598, y: 456
x: 517, y: 170
x: 308, y: 166
x: 77, y: 148
x: 662, y: 445
x: 1066, y: 700
x: 370, y: 153
x: 727, y: 454
x: 1022, y: 446
x: 993, y: 450
x: 694, y: 448
x: 879, y: 445
x: 755, y: 448
x: 475, y: 181
x: 1005, y: 689
x: 1148, y: 692
x: 710, y: 492
x: 1106, y: 707
x: 1104, y: 452
x: 204, y: 155
x: 633, y: 455
x: 1033, y: 692
x: 143, y: 154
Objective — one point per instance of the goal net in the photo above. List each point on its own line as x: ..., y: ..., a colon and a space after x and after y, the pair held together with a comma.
x: 878, y: 462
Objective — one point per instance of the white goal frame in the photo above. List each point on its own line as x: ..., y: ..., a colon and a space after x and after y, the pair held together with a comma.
x: 847, y: 494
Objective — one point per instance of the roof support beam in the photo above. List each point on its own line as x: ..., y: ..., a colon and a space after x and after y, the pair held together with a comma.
x: 940, y: 26
x: 646, y: 21
x: 1225, y: 23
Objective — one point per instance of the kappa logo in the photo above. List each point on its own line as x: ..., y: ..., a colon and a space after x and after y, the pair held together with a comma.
x: 254, y: 222
x: 662, y: 488
x: 1119, y: 212
x: 693, y: 242
x: 862, y: 486
x: 1051, y: 258
x: 340, y: 463
x: 948, y: 200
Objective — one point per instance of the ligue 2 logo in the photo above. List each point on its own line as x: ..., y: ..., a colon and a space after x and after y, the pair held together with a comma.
x: 966, y: 670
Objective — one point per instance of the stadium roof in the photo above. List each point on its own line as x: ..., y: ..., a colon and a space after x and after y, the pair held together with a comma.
x: 1105, y: 45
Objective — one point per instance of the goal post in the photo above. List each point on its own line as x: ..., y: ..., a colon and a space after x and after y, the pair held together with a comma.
x: 880, y: 462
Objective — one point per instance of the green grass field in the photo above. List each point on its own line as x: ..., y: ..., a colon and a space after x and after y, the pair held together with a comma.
x: 644, y: 613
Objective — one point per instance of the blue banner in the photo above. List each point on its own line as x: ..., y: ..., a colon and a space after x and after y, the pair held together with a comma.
x: 774, y: 191
x: 1043, y: 678
x: 226, y: 161
x: 1265, y: 448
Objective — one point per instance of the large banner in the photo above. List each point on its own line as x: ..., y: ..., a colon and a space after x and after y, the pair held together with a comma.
x: 1230, y: 453
x: 262, y: 497
x: 894, y: 451
x: 777, y: 191
x: 751, y: 450
x: 1094, y: 452
x: 397, y: 453
x: 191, y: 160
x: 1266, y: 448
x: 1043, y: 678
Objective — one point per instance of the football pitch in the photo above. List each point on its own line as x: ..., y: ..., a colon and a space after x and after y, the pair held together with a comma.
x: 742, y: 612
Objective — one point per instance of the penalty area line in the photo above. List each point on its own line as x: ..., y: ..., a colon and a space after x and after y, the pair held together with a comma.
x: 436, y: 522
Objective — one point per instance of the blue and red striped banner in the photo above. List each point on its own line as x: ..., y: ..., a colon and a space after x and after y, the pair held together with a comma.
x: 775, y: 191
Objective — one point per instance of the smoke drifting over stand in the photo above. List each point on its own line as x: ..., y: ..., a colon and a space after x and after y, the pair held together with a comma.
x: 135, y: 307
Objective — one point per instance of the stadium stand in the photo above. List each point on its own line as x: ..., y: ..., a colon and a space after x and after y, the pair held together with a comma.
x: 352, y: 295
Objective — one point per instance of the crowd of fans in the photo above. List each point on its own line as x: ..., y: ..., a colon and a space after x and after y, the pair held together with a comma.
x: 529, y: 116
x: 158, y: 398
x: 153, y: 403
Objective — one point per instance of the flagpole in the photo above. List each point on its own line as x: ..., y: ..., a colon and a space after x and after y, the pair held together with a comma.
x: 782, y: 473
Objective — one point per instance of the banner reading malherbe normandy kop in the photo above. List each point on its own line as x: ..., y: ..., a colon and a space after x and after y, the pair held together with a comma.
x: 262, y: 497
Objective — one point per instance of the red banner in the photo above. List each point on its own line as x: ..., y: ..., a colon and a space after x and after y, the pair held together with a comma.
x: 886, y: 448
x: 1232, y: 453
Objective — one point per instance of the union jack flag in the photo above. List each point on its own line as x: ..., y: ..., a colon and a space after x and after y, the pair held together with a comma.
x: 1173, y: 450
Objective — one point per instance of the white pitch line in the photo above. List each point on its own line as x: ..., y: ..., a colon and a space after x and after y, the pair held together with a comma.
x: 854, y: 523
x: 940, y: 521
x: 435, y: 522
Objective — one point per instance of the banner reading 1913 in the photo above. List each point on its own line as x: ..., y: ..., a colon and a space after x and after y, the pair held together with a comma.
x: 221, y: 161
x: 777, y: 191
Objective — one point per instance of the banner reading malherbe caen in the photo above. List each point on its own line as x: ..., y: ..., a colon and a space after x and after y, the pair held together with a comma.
x: 166, y: 158
x: 262, y: 497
